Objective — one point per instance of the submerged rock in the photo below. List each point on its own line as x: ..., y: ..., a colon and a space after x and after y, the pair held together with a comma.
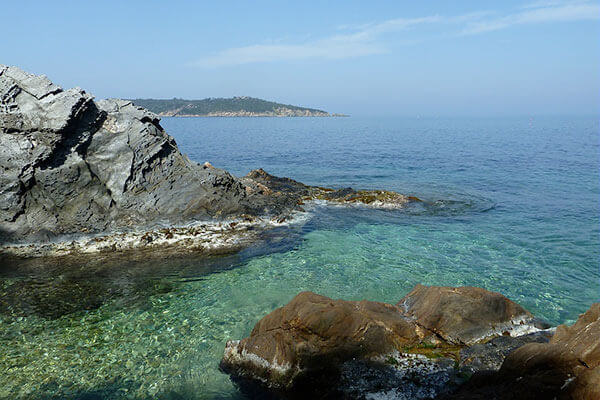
x: 322, y: 348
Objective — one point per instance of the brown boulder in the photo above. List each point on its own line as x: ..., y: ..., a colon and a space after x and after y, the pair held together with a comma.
x: 343, y: 349
x: 303, y: 343
x: 567, y: 368
x: 465, y: 315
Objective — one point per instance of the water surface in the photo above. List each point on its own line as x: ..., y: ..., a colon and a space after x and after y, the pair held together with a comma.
x: 512, y: 206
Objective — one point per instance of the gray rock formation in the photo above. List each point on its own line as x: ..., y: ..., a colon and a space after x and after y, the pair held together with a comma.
x: 72, y: 165
x: 69, y: 164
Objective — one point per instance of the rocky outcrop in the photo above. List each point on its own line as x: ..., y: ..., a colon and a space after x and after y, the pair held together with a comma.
x: 466, y: 315
x: 260, y: 180
x: 72, y: 165
x: 568, y: 367
x: 318, y: 347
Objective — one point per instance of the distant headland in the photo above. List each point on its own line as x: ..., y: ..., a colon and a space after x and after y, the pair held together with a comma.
x: 242, y: 106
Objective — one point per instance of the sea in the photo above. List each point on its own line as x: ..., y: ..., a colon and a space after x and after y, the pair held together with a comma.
x: 509, y: 204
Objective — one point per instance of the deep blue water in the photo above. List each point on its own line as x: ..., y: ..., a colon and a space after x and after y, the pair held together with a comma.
x: 512, y: 205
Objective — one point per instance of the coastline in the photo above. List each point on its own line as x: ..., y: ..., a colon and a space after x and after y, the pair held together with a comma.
x: 202, y: 237
x: 254, y: 115
x: 205, y: 237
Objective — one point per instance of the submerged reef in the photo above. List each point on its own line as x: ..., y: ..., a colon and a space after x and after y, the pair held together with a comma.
x: 437, y: 342
x: 83, y: 175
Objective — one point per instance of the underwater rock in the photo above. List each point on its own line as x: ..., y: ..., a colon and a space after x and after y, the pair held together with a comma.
x: 466, y: 315
x: 318, y: 347
x: 53, y: 298
x: 568, y: 367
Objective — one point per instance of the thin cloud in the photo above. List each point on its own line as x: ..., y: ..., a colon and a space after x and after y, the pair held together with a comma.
x: 367, y: 39
x: 333, y: 48
x: 356, y: 44
x: 560, y: 12
x: 552, y: 3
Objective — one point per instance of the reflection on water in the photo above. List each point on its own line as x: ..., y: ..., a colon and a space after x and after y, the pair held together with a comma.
x: 53, y: 287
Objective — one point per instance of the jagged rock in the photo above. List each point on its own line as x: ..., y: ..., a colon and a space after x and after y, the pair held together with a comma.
x: 72, y: 165
x: 69, y: 164
x: 399, y: 376
x: 466, y: 315
x: 315, y: 346
x: 568, y: 367
x: 302, y: 192
x: 277, y: 184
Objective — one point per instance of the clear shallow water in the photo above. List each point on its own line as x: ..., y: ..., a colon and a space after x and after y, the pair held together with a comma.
x: 515, y: 209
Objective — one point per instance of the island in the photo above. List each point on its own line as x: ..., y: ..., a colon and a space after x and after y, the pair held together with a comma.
x: 239, y: 106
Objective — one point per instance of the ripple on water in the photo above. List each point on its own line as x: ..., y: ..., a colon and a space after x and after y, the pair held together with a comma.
x: 511, y: 206
x: 171, y: 343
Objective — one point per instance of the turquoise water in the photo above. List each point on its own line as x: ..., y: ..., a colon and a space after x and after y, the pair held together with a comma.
x: 513, y: 206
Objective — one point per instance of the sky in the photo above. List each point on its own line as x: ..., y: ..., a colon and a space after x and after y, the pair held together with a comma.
x: 372, y: 58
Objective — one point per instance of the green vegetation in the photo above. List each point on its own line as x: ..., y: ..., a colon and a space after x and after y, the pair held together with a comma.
x: 433, y: 351
x: 216, y: 106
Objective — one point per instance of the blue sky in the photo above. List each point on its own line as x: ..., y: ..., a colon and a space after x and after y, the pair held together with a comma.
x: 436, y: 58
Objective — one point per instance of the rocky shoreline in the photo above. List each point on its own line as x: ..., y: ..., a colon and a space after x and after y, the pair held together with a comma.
x: 106, y: 173
x: 437, y: 342
x: 211, y: 237
x: 277, y: 114
x: 79, y: 176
